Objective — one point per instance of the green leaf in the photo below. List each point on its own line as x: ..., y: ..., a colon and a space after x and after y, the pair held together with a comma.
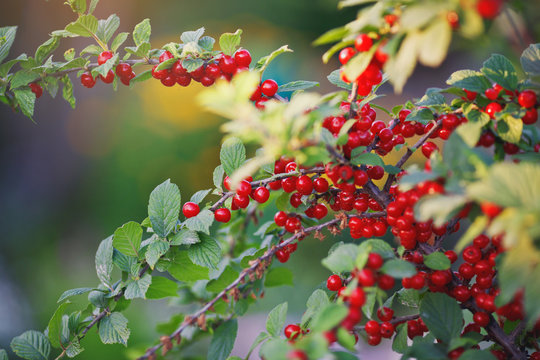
x: 138, y: 288
x: 530, y: 59
x: 86, y: 25
x: 263, y: 62
x: 276, y: 319
x: 73, y: 292
x: 329, y: 316
x: 155, y: 251
x: 399, y: 344
x: 437, y: 261
x: 227, y: 276
x: 297, y: 85
x: 228, y: 42
x: 107, y: 28
x: 442, y: 315
x: 223, y: 340
x: 232, y: 154
x: 279, y: 276
x: 7, y: 36
x: 185, y: 237
x: 67, y: 91
x: 470, y: 80
x: 206, y: 253
x: 473, y: 354
x: 161, y: 287
x: 398, y: 268
x: 127, y: 239
x: 201, y: 222
x: 164, y: 207
x: 55, y: 325
x: 183, y: 269
x: 104, y: 261
x: 26, y: 100
x: 331, y: 36
x: 335, y: 78
x: 45, y: 49
x: 142, y: 31
x: 119, y: 40
x: 501, y: 71
x: 342, y: 259
x: 31, y: 345
x: 113, y: 329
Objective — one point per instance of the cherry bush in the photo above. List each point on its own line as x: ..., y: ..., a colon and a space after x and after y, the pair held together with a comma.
x: 320, y: 169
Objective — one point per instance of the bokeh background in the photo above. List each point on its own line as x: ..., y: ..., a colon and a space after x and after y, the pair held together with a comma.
x: 71, y: 178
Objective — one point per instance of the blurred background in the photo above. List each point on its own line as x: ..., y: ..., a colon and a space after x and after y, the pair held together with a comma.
x: 70, y: 179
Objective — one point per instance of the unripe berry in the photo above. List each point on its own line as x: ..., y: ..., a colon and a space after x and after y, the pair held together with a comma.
x: 190, y: 209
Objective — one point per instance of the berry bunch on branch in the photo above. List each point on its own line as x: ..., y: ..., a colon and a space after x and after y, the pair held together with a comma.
x: 440, y: 257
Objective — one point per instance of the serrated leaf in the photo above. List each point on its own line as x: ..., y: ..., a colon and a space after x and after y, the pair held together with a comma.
x: 442, y: 315
x: 201, y: 222
x: 437, y: 261
x: 232, y: 155
x: 470, y: 80
x: 164, y: 207
x: 161, y: 287
x: 138, y: 288
x: 228, y: 42
x: 55, y: 325
x: 278, y: 277
x: 7, y: 36
x: 206, y: 253
x: 86, y: 25
x: 31, y: 345
x: 398, y: 268
x: 501, y: 71
x: 276, y: 319
x: 141, y: 32
x: 113, y: 329
x: 104, y: 261
x: 185, y: 237
x: 263, y: 62
x: 74, y: 292
x: 155, y: 251
x: 530, y: 59
x: 127, y: 239
x: 223, y: 340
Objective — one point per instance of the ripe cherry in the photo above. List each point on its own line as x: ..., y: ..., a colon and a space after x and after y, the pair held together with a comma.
x: 104, y: 56
x: 269, y: 87
x: 242, y: 58
x: 334, y: 283
x: 222, y: 215
x: 292, y: 331
x: 87, y: 80
x: 190, y: 209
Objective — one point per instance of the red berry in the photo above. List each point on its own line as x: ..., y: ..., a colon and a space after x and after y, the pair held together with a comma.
x: 292, y: 331
x: 227, y: 64
x: 372, y: 327
x: 261, y: 194
x: 489, y: 9
x: 292, y: 224
x: 280, y: 218
x: 190, y: 209
x: 375, y: 261
x: 385, y: 314
x: 242, y: 58
x: 527, y: 99
x: 87, y: 80
x: 269, y: 87
x: 363, y: 42
x: 109, y: 78
x: 346, y: 54
x: 222, y: 215
x: 334, y: 283
x: 166, y: 55
x: 104, y: 56
x: 481, y: 318
x: 36, y: 89
x: 123, y: 70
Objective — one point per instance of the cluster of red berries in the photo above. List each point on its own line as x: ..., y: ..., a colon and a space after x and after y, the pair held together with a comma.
x: 372, y: 75
x: 222, y: 66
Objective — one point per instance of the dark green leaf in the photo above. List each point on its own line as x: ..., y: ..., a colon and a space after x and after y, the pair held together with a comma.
x: 276, y: 319
x: 127, y: 239
x: 164, y: 207
x: 31, y: 345
x: 279, y: 276
x: 442, y: 315
x: 437, y: 261
x: 232, y: 155
x: 113, y: 329
x: 501, y: 71
x: 223, y: 340
x: 206, y: 253
x: 161, y: 287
